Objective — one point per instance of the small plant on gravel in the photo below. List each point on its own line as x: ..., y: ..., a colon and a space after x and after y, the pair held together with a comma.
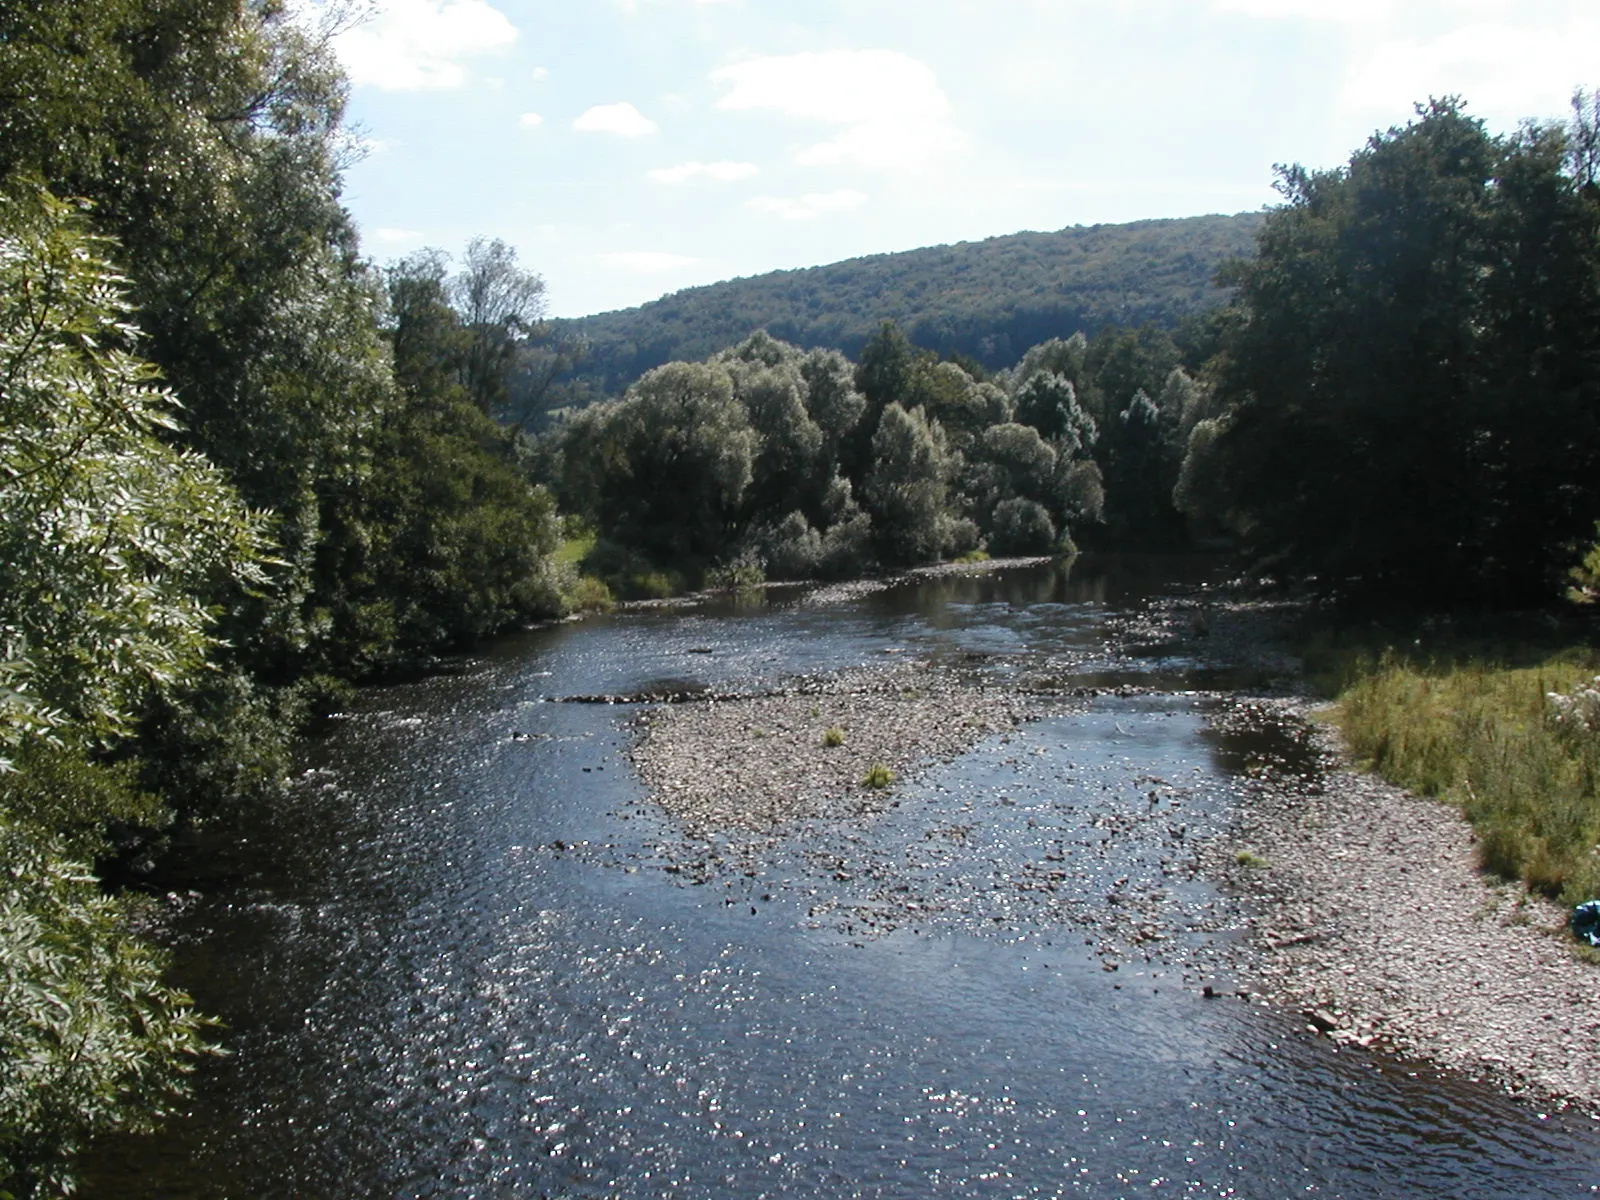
x: 833, y: 736
x: 1249, y: 858
x: 877, y: 776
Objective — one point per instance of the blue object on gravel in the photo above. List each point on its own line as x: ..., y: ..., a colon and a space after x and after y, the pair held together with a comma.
x: 1586, y: 922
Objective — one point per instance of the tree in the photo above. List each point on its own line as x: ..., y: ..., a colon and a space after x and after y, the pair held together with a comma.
x: 907, y: 489
x: 769, y: 382
x: 1411, y: 398
x: 502, y: 307
x: 676, y: 454
x: 207, y: 134
x: 110, y: 539
x: 457, y: 537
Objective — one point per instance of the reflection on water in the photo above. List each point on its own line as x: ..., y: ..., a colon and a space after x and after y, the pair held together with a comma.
x: 451, y: 964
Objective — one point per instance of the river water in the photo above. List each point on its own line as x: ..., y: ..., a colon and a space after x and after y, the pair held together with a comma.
x: 454, y: 961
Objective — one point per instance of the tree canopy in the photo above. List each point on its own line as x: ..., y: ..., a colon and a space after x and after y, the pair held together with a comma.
x: 1411, y: 406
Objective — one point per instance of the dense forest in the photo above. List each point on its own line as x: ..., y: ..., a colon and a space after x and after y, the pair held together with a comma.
x: 242, y: 468
x: 987, y: 301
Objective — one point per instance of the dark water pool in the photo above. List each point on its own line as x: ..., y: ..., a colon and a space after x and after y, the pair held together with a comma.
x: 452, y: 964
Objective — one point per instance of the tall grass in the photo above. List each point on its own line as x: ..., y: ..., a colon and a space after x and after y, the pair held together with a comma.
x: 1484, y: 737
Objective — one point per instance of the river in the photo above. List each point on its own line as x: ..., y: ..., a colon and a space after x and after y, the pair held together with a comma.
x: 455, y: 962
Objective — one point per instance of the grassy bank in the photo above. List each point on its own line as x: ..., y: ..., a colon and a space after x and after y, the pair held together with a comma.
x: 1481, y: 731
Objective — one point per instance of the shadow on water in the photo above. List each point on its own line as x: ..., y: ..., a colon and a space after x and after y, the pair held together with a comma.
x: 452, y: 963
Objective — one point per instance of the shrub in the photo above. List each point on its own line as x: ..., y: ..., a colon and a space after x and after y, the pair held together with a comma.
x: 1021, y: 526
x: 791, y: 548
x: 833, y: 736
x: 877, y: 776
x: 588, y: 594
x: 737, y: 574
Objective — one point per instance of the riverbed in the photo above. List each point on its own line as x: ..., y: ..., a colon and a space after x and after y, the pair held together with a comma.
x: 472, y: 954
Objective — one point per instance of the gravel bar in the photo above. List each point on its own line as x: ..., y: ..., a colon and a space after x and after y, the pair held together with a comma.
x: 757, y: 764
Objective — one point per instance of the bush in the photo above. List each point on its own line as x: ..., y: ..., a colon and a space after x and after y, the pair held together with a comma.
x: 833, y: 736
x: 847, y: 547
x: 1022, y: 526
x: 738, y: 574
x: 588, y: 594
x: 791, y: 548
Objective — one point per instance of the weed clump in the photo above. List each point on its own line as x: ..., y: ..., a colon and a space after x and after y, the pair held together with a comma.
x: 877, y: 776
x: 833, y: 736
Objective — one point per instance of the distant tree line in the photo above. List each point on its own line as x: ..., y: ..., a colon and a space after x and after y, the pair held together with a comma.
x: 802, y: 464
x: 987, y: 301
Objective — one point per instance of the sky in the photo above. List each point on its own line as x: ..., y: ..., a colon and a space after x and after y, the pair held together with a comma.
x: 630, y: 148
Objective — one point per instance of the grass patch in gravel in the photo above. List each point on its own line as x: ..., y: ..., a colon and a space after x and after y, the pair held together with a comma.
x: 1489, y: 739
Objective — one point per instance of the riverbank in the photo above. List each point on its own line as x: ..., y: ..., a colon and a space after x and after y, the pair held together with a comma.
x: 1373, y: 918
x: 1370, y: 913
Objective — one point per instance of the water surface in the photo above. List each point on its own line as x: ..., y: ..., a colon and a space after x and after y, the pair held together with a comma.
x: 454, y: 964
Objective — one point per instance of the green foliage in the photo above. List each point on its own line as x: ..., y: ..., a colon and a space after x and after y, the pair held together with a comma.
x: 585, y: 593
x: 833, y: 736
x: 742, y: 573
x: 1411, y: 395
x: 675, y: 457
x: 1022, y: 526
x: 989, y: 300
x: 1585, y: 576
x: 456, y: 541
x: 906, y: 489
x: 109, y: 539
x: 90, y: 1039
x: 1488, y: 739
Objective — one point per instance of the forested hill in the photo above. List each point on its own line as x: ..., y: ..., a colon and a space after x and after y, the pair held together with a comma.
x: 990, y: 299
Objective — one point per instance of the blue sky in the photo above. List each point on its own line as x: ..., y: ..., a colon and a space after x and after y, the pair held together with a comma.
x: 629, y: 148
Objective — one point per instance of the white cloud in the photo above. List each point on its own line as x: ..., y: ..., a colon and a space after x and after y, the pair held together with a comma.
x: 809, y: 206
x: 1504, y: 72
x: 647, y: 262
x: 1345, y: 11
x: 717, y: 172
x: 622, y: 119
x: 540, y: 74
x: 393, y: 236
x: 419, y: 45
x: 895, y: 115
x: 530, y: 120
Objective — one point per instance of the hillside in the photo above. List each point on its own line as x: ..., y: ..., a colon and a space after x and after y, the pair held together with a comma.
x: 990, y: 299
